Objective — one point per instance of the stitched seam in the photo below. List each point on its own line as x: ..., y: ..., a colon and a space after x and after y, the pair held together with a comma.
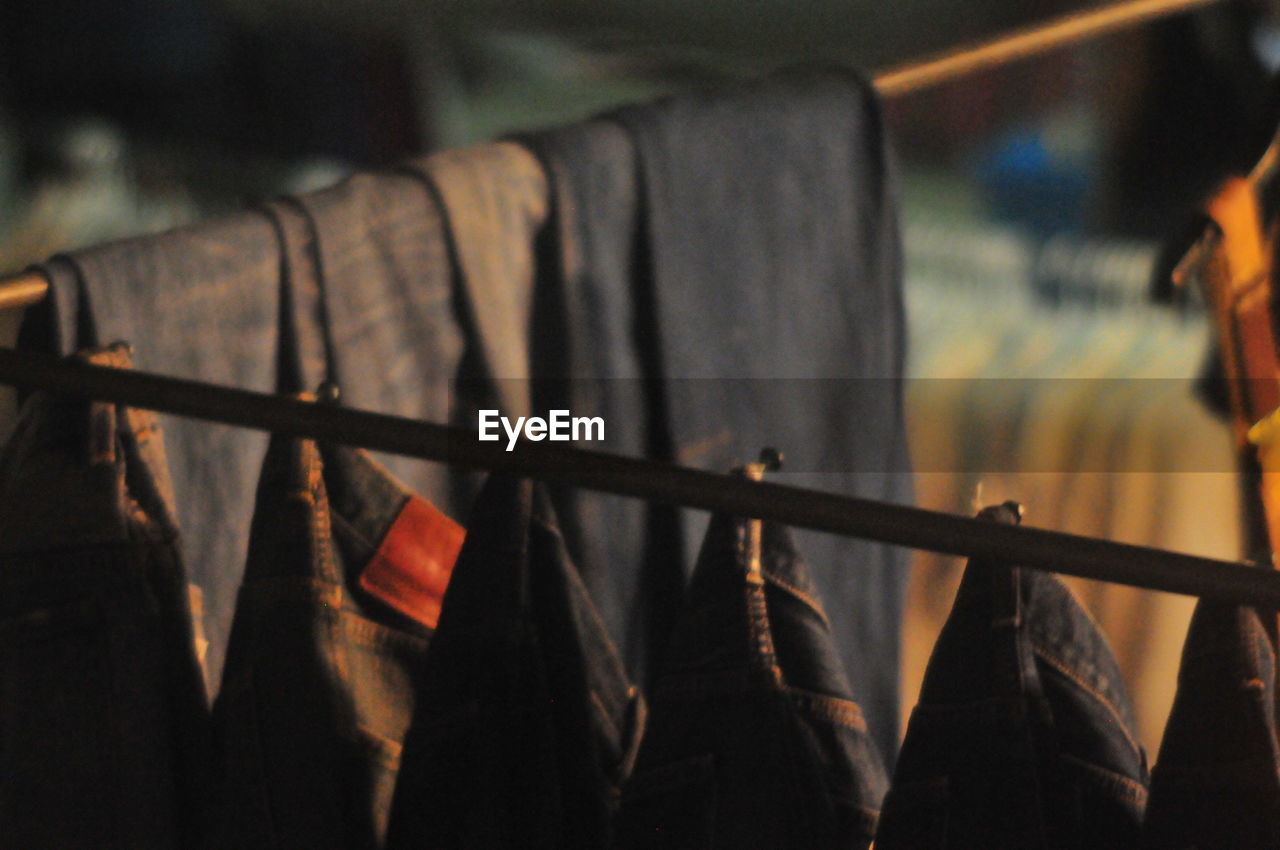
x: 1137, y: 792
x: 604, y: 713
x: 837, y: 710
x: 1053, y: 662
x: 359, y: 629
x: 804, y: 597
x: 747, y: 544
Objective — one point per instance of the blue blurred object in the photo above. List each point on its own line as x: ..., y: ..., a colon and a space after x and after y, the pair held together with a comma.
x: 1027, y: 183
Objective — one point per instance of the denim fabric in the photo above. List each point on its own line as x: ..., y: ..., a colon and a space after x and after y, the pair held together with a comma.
x: 494, y: 201
x: 244, y: 301
x: 527, y: 726
x: 1023, y: 735
x: 754, y: 739
x: 426, y: 273
x: 104, y: 728
x: 382, y: 255
x: 319, y: 682
x: 585, y: 358
x: 738, y: 252
x: 305, y: 356
x: 201, y: 303
x: 1217, y: 780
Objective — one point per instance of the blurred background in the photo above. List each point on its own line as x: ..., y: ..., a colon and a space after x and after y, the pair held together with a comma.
x: 1036, y: 202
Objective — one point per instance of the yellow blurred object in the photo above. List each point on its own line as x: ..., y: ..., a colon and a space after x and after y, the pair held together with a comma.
x: 1265, y: 435
x: 1237, y: 283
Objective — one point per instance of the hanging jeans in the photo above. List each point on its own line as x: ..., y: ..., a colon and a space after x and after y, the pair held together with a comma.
x: 754, y: 740
x: 103, y: 716
x: 1023, y: 736
x: 318, y: 686
x: 1217, y: 780
x: 527, y: 726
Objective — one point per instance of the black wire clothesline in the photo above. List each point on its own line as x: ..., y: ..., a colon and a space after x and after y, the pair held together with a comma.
x: 934, y: 531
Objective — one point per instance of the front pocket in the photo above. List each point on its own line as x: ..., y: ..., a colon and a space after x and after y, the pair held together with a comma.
x: 672, y: 806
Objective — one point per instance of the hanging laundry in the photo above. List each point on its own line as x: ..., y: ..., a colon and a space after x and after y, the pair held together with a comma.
x: 526, y: 726
x: 1217, y: 780
x: 494, y: 199
x: 757, y: 294
x: 345, y: 577
x: 198, y: 302
x: 243, y: 301
x: 409, y: 309
x: 754, y: 738
x: 104, y: 723
x: 589, y: 357
x: 1023, y: 736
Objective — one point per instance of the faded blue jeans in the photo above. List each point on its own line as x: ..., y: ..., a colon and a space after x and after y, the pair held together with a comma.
x: 1023, y: 735
x: 527, y: 725
x: 318, y: 687
x: 104, y: 730
x: 754, y: 739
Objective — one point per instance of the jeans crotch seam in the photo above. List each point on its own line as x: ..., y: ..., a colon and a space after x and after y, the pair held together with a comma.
x: 763, y: 656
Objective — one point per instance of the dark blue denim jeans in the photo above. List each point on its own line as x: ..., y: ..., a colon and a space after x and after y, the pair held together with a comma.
x: 754, y: 739
x: 724, y: 273
x: 1217, y: 780
x: 527, y: 726
x: 318, y: 686
x: 103, y: 717
x: 1023, y: 735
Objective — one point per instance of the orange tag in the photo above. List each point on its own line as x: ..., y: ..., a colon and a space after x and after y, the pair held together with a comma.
x: 411, y: 569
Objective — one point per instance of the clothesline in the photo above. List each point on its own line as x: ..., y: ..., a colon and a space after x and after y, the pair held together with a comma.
x: 1020, y: 44
x: 30, y: 287
x: 802, y: 508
